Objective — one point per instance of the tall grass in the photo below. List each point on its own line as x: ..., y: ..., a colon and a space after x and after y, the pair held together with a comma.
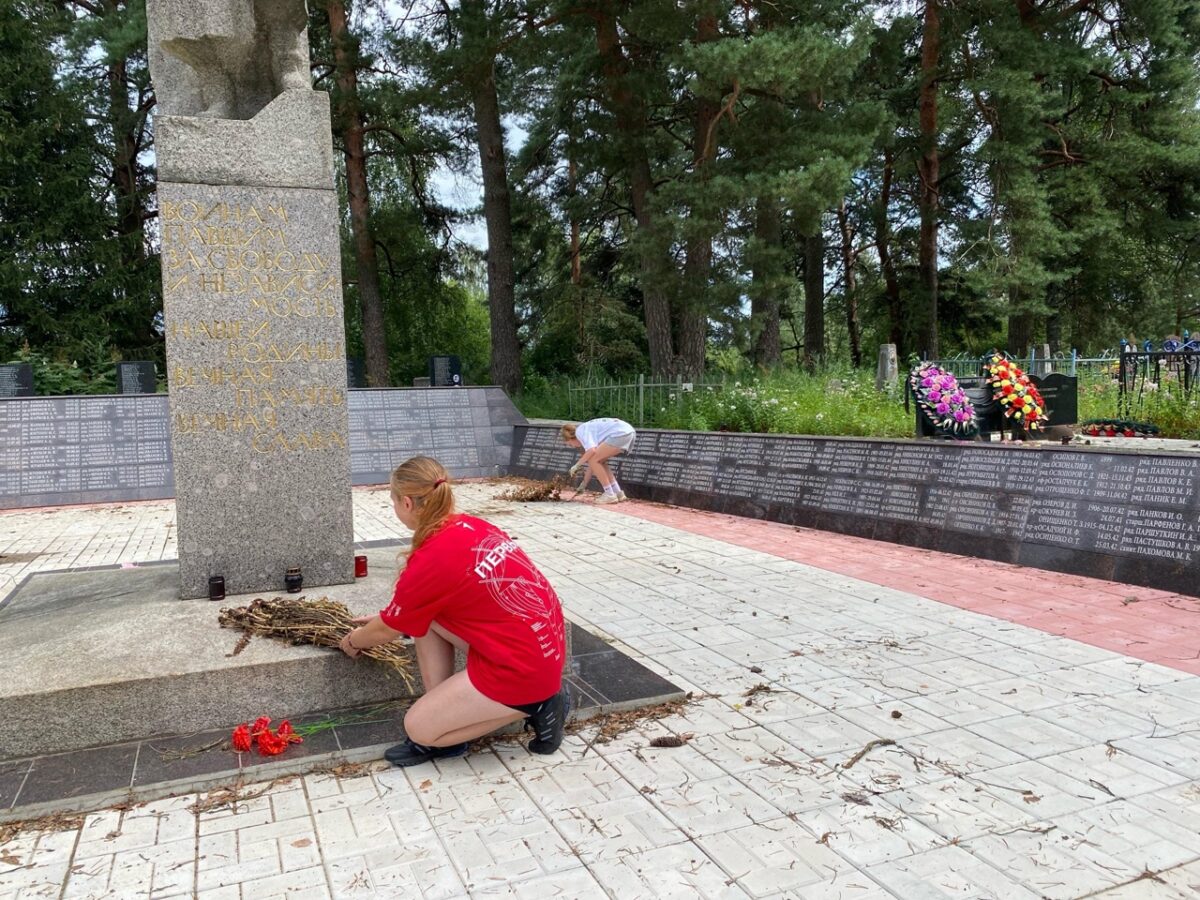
x: 843, y: 401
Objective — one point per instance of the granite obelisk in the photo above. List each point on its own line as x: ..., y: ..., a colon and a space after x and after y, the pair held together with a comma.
x: 252, y: 297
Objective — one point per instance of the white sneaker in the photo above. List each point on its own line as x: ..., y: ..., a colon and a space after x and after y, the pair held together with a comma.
x: 609, y: 498
x: 621, y: 495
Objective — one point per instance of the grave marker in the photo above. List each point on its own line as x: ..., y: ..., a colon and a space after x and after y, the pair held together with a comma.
x: 136, y: 378
x: 16, y: 380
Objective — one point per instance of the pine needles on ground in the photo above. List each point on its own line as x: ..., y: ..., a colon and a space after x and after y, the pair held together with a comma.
x: 322, y: 623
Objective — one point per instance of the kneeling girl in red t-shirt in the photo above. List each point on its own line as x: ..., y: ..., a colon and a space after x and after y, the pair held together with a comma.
x: 467, y: 585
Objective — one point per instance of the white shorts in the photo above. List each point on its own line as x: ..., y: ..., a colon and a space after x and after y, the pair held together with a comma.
x: 623, y: 442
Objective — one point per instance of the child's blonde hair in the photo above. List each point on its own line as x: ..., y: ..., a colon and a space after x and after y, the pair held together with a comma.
x: 568, y: 432
x: 428, y: 483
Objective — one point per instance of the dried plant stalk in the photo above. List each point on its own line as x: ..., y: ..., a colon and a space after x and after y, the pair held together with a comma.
x: 322, y: 623
x: 526, y: 490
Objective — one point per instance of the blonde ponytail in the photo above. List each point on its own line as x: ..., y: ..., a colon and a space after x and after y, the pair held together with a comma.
x: 568, y: 432
x: 428, y: 483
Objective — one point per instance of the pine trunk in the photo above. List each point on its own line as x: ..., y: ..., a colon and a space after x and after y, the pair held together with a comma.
x: 883, y: 244
x: 764, y: 299
x: 850, y: 286
x: 692, y: 313
x: 928, y: 169
x: 814, y: 300
x: 348, y: 117
x: 576, y: 248
x: 1020, y: 327
x: 130, y: 210
x: 630, y: 116
x: 497, y: 212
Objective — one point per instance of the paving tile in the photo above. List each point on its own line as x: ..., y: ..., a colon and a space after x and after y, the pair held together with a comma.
x: 79, y: 774
x: 773, y: 856
x: 947, y: 872
x: 1023, y: 765
x: 1045, y: 863
x: 959, y: 809
x: 382, y: 727
x: 711, y: 806
x: 575, y: 883
x: 12, y: 776
x: 1116, y: 774
x: 1031, y: 735
x: 618, y: 678
x: 868, y: 834
x: 159, y: 759
x: 677, y: 872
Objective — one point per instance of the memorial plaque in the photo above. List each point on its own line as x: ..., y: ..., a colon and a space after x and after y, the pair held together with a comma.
x: 1115, y: 475
x: 869, y: 501
x: 1056, y: 520
x: 445, y: 371
x: 16, y: 380
x: 923, y: 463
x: 845, y: 458
x: 1064, y: 473
x: 1164, y: 481
x: 839, y: 495
x: 902, y: 503
x: 136, y: 378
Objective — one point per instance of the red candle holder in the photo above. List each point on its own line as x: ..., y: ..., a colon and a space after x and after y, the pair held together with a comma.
x: 360, y: 567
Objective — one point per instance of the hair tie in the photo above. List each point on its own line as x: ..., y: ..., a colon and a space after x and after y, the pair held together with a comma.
x: 439, y: 482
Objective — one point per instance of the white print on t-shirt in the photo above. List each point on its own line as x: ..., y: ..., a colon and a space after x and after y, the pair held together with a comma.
x: 519, y: 588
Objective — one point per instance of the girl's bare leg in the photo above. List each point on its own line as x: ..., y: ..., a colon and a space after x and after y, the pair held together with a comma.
x: 452, y: 710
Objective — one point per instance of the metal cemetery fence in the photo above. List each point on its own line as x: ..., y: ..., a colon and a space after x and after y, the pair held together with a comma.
x: 1107, y: 363
x: 639, y: 401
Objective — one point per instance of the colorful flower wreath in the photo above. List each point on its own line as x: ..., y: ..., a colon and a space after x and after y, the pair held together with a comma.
x: 1019, y: 397
x: 945, y: 403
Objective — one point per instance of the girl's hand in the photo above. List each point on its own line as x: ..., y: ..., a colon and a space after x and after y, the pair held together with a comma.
x: 362, y: 620
x: 348, y: 648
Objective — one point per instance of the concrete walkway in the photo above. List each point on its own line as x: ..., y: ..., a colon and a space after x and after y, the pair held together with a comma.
x: 869, y: 723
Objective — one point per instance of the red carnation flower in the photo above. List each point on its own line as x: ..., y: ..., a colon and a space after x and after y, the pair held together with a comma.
x: 286, y: 731
x: 271, y: 744
x: 241, y: 738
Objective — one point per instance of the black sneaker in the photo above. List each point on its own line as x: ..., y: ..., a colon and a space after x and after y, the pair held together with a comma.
x: 547, y: 722
x: 410, y: 753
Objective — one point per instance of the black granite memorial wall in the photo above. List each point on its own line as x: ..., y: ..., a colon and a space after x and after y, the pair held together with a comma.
x: 1124, y: 516
x: 103, y: 449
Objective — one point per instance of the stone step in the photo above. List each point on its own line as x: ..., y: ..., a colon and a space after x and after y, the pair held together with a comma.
x: 89, y: 658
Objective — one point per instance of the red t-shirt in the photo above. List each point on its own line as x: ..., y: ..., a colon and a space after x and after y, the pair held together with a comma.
x: 474, y: 581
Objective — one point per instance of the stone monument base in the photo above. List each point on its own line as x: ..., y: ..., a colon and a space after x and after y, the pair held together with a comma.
x: 101, y: 657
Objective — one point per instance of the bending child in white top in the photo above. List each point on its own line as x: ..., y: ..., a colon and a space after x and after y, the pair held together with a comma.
x: 601, y: 439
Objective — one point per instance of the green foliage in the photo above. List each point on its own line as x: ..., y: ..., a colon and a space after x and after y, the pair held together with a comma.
x: 94, y: 371
x: 1164, y: 403
x: 839, y: 401
x: 1069, y: 187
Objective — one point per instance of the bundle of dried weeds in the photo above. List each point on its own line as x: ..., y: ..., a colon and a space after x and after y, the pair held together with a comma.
x: 526, y: 490
x: 322, y: 623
